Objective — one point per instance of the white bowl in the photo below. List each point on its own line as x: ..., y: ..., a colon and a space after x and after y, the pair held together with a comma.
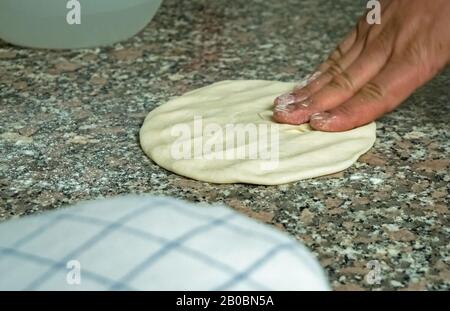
x: 44, y: 23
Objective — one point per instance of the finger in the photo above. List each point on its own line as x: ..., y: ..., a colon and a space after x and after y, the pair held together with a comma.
x: 317, y: 79
x: 344, y: 85
x: 364, y: 36
x: 340, y: 51
x: 361, y: 38
x: 381, y: 95
x: 339, y: 61
x: 335, y: 67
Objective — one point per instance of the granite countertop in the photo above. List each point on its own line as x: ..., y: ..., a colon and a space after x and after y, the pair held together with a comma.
x: 69, y: 123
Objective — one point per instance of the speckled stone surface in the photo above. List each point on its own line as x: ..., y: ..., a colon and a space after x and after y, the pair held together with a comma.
x: 69, y: 123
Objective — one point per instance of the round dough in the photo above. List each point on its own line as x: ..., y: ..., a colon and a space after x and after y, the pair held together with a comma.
x: 188, y: 135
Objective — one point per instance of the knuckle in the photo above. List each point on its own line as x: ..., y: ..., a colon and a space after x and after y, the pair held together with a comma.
x: 416, y: 55
x: 383, y: 43
x: 332, y: 60
x: 372, y: 92
x: 337, y: 54
x: 361, y: 28
x: 417, y: 58
x: 335, y: 69
x: 343, y: 81
x: 373, y: 33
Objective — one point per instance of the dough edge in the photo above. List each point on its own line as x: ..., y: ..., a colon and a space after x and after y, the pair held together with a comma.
x: 367, y: 132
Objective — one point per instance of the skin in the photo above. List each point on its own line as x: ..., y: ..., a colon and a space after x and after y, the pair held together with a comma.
x: 374, y: 69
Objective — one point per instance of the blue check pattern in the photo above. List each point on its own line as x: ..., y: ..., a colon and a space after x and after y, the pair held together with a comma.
x: 47, y: 269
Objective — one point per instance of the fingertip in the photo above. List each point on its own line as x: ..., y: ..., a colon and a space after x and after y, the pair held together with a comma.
x: 329, y: 122
x: 294, y: 117
x: 320, y: 121
x: 284, y: 118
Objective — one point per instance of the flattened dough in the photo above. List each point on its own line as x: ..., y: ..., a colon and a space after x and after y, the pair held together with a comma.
x: 302, y: 152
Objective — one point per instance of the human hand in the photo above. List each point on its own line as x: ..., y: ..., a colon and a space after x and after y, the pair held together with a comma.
x: 374, y: 69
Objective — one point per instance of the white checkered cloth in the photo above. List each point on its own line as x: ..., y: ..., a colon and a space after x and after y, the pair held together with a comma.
x: 148, y: 243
